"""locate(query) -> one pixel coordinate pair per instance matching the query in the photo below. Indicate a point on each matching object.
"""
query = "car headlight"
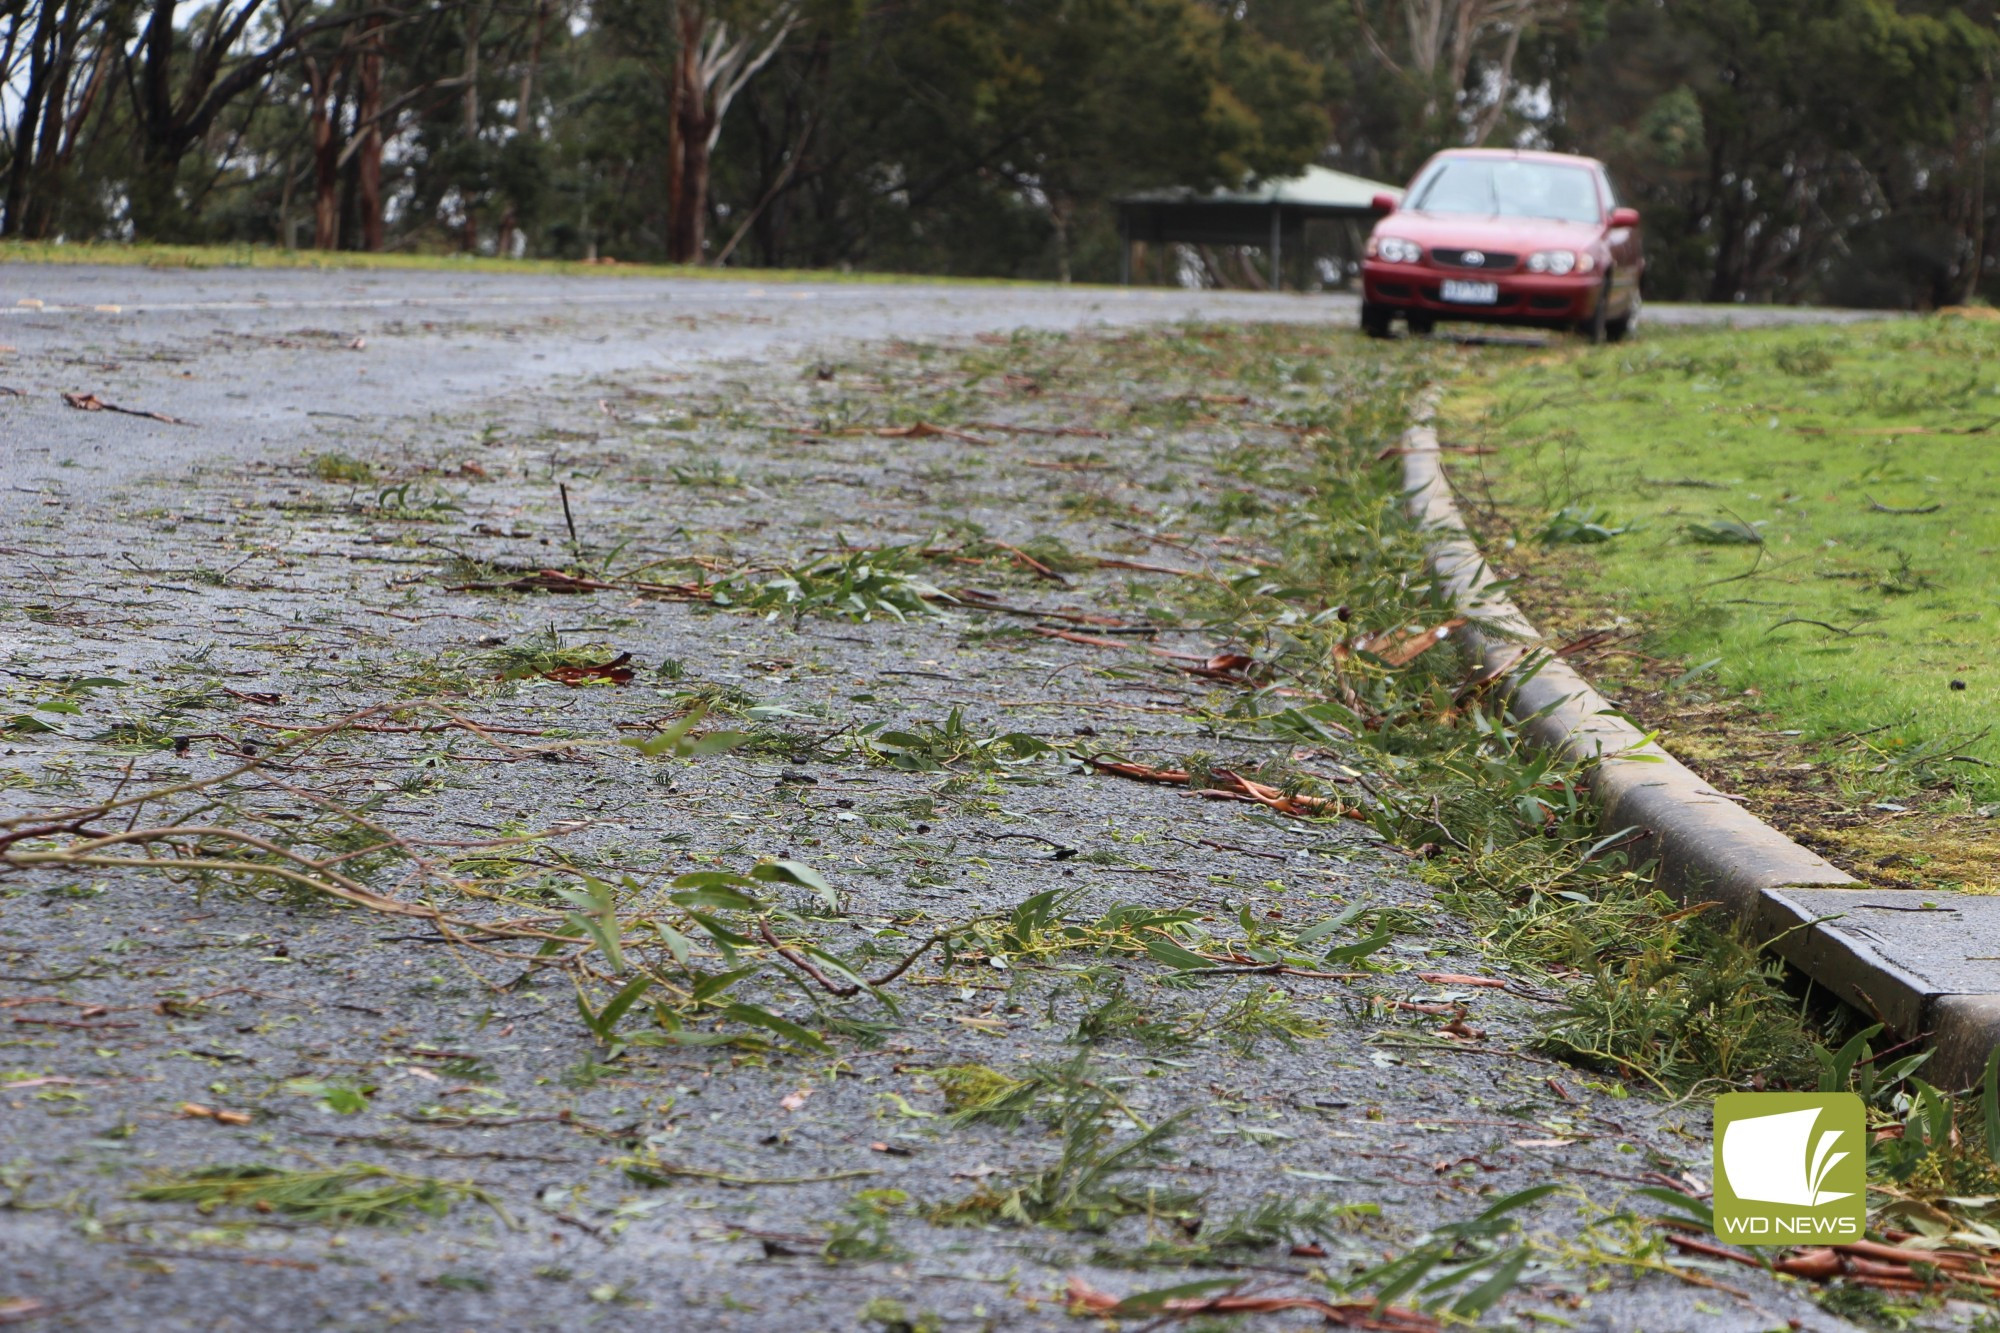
(1557, 262)
(1395, 249)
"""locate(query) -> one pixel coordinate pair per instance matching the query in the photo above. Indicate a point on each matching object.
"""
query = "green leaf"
(344, 1101)
(1989, 1106)
(1888, 1076)
(795, 872)
(831, 962)
(1163, 950)
(718, 899)
(708, 987)
(677, 944)
(1836, 1071)
(1518, 1199)
(674, 740)
(597, 916)
(1475, 1302)
(1693, 1209)
(1331, 924)
(1405, 1273)
(1152, 1302)
(607, 1018)
(682, 1037)
(1935, 1112)
(711, 879)
(757, 1016)
(669, 740)
(1355, 952)
(568, 928)
(728, 940)
(716, 742)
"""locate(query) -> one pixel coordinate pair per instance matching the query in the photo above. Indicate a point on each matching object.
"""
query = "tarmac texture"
(358, 481)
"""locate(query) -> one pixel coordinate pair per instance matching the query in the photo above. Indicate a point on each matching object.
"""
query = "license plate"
(1471, 293)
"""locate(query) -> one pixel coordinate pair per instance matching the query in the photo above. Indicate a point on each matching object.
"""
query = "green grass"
(270, 256)
(1811, 510)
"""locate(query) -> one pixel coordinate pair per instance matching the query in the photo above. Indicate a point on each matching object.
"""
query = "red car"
(1498, 236)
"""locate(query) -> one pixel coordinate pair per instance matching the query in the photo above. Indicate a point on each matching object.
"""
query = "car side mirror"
(1625, 217)
(1383, 203)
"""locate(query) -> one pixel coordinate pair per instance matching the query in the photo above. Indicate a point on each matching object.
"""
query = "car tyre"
(1375, 319)
(1623, 327)
(1422, 326)
(1598, 327)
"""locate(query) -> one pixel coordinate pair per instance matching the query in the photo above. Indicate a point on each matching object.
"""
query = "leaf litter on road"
(739, 914)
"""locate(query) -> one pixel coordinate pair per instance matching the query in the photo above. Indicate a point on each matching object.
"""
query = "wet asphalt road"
(209, 561)
(244, 354)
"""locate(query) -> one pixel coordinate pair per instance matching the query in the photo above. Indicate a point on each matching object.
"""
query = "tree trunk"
(688, 227)
(1969, 205)
(469, 113)
(287, 229)
(1504, 87)
(62, 136)
(368, 161)
(155, 211)
(326, 154)
(687, 182)
(41, 61)
(153, 202)
(523, 121)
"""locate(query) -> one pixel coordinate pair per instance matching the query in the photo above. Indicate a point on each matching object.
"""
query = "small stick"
(568, 518)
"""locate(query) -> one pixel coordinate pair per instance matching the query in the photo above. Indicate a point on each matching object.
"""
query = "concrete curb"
(1889, 960)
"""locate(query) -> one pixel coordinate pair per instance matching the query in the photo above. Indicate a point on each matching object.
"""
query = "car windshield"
(1509, 188)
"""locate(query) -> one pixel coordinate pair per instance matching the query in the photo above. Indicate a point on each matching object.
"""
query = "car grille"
(1491, 260)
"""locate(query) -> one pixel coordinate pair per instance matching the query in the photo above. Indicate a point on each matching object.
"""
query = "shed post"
(1277, 247)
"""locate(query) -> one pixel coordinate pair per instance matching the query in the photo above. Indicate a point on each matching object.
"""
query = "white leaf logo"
(1774, 1159)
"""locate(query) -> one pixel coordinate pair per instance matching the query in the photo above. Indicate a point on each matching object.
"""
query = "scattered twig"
(90, 402)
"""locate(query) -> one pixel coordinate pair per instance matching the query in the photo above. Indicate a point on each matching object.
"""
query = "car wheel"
(1375, 319)
(1598, 327)
(1623, 327)
(1422, 326)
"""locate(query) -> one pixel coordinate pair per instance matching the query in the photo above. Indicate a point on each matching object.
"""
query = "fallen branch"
(1395, 649)
(90, 402)
(1226, 785)
(1033, 564)
(1146, 567)
(1863, 1262)
(919, 430)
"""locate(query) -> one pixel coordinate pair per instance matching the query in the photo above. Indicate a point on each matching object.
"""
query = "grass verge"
(275, 257)
(1780, 542)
